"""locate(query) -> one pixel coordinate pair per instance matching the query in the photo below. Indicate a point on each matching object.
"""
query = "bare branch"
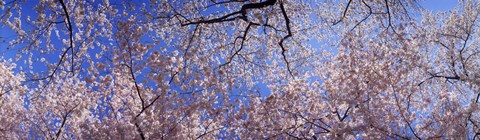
(244, 37)
(242, 13)
(344, 13)
(287, 23)
(69, 27)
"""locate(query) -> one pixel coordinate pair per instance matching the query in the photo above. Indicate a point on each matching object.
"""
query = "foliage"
(239, 69)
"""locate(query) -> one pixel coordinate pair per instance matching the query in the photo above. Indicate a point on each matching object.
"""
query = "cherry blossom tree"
(239, 69)
(12, 93)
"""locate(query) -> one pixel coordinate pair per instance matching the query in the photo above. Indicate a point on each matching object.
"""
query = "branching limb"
(244, 37)
(369, 14)
(289, 34)
(137, 88)
(139, 130)
(404, 118)
(344, 116)
(223, 2)
(241, 14)
(70, 29)
(64, 120)
(390, 25)
(144, 108)
(344, 13)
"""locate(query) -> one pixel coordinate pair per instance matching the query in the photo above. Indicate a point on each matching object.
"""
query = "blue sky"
(439, 5)
(6, 34)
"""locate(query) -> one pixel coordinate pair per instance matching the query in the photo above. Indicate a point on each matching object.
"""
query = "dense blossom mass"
(238, 69)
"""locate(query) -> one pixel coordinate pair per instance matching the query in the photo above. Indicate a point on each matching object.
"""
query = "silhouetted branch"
(287, 23)
(344, 13)
(69, 27)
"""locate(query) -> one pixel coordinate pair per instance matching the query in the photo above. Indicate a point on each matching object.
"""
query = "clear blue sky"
(439, 5)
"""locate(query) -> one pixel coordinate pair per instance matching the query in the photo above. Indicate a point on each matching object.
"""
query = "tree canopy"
(238, 69)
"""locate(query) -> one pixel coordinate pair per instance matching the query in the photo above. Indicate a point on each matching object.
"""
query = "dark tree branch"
(435, 75)
(390, 25)
(309, 121)
(241, 45)
(69, 27)
(473, 54)
(140, 132)
(389, 133)
(369, 14)
(344, 116)
(64, 54)
(64, 120)
(208, 132)
(223, 2)
(242, 13)
(478, 96)
(287, 23)
(344, 13)
(290, 135)
(132, 74)
(313, 123)
(403, 116)
(189, 45)
(452, 63)
(227, 17)
(456, 77)
(146, 107)
(468, 32)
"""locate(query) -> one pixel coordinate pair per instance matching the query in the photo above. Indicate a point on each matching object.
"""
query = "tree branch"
(287, 23)
(344, 13)
(231, 16)
(69, 27)
(241, 45)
